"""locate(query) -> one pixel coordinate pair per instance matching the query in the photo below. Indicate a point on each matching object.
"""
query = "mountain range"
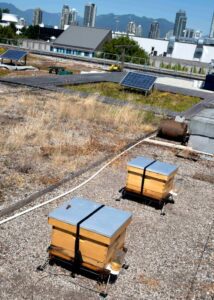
(110, 21)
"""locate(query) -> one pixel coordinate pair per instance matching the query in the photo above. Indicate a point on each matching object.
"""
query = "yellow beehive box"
(101, 235)
(150, 178)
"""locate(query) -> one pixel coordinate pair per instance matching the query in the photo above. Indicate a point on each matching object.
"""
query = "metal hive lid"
(163, 168)
(140, 162)
(157, 167)
(106, 221)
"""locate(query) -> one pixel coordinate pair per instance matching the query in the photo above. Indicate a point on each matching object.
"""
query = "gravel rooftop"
(170, 257)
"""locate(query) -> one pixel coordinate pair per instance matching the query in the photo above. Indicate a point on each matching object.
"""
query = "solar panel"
(13, 54)
(139, 81)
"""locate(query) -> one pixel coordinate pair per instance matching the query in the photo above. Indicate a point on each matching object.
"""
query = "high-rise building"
(197, 34)
(180, 24)
(189, 33)
(212, 28)
(37, 16)
(139, 31)
(68, 17)
(154, 32)
(72, 17)
(64, 16)
(131, 28)
(169, 34)
(90, 15)
(22, 22)
(117, 21)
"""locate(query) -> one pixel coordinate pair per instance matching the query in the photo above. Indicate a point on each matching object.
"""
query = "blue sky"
(199, 12)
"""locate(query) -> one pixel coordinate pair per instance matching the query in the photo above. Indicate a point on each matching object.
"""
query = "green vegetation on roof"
(163, 100)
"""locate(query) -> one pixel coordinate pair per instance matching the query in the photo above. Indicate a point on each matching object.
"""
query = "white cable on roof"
(73, 189)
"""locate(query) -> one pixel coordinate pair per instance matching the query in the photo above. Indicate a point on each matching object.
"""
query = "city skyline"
(199, 16)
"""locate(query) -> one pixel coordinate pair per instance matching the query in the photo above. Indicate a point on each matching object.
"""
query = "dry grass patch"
(52, 135)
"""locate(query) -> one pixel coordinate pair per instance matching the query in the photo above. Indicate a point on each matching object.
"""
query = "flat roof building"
(8, 19)
(48, 33)
(179, 50)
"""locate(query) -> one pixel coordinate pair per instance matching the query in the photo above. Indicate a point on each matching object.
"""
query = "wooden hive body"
(101, 236)
(150, 178)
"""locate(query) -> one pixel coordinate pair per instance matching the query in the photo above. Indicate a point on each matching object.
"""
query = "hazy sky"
(199, 12)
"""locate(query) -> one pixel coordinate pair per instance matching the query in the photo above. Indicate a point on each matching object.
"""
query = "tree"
(32, 32)
(7, 32)
(133, 50)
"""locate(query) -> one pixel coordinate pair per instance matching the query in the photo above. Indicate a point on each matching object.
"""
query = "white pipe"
(73, 189)
(180, 147)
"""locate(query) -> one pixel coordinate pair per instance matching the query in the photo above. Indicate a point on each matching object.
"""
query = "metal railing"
(12, 42)
(132, 62)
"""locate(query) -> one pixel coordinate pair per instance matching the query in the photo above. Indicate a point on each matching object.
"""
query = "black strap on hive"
(77, 253)
(144, 175)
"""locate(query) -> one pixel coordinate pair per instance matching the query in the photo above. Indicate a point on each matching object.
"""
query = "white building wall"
(208, 54)
(11, 18)
(147, 44)
(36, 45)
(184, 51)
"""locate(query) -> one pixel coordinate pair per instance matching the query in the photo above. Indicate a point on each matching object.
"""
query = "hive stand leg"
(123, 194)
(125, 266)
(104, 294)
(42, 267)
(51, 261)
(163, 209)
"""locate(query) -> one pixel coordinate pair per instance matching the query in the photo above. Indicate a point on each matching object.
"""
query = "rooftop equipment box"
(202, 124)
(101, 235)
(150, 178)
